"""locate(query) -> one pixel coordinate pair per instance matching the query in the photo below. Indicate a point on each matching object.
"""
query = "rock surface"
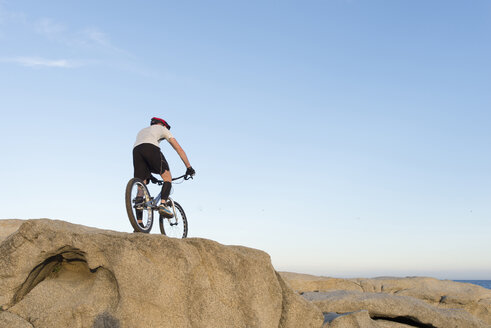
(413, 302)
(57, 274)
(9, 320)
(380, 306)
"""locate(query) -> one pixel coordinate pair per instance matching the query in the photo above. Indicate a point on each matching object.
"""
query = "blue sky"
(344, 138)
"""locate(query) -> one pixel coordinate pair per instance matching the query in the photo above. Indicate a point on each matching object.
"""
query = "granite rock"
(442, 294)
(58, 274)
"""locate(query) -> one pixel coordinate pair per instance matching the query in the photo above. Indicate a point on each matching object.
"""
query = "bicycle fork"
(173, 211)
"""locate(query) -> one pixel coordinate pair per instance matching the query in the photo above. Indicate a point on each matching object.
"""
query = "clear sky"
(345, 138)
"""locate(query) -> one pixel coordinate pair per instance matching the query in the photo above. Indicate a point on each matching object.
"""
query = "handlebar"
(185, 176)
(160, 182)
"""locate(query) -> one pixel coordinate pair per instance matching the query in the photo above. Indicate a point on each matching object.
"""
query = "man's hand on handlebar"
(190, 172)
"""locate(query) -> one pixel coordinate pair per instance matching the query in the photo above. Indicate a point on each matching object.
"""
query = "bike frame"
(154, 201)
(154, 204)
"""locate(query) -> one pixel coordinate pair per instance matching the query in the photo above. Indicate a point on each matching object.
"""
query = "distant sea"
(482, 283)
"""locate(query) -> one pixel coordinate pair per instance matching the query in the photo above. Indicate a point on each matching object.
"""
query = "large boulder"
(443, 294)
(401, 309)
(58, 274)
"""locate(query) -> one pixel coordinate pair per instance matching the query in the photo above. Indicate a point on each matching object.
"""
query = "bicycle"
(138, 199)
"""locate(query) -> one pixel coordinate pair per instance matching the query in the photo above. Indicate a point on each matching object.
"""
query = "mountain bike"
(139, 203)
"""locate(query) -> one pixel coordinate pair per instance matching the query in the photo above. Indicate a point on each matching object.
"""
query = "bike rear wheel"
(176, 227)
(137, 207)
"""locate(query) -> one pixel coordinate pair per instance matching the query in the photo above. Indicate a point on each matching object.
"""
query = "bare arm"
(180, 151)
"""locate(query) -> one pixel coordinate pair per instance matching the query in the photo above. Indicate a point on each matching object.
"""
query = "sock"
(165, 190)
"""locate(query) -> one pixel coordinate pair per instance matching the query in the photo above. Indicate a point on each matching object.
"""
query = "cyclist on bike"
(147, 159)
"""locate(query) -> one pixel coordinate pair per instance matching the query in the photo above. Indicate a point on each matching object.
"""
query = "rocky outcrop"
(57, 274)
(392, 302)
(403, 309)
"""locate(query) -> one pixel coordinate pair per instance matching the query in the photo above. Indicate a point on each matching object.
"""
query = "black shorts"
(147, 159)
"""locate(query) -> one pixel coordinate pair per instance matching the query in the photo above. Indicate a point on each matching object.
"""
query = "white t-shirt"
(153, 134)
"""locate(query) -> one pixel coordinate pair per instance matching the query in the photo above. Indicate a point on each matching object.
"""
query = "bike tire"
(182, 224)
(130, 209)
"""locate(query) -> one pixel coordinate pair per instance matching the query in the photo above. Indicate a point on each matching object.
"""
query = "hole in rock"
(413, 322)
(62, 291)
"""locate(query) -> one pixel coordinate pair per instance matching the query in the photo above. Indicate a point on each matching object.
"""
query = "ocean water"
(482, 283)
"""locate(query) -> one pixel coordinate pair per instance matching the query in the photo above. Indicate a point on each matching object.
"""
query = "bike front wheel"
(139, 206)
(177, 226)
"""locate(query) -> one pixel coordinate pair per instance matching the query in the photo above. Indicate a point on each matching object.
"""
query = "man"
(147, 159)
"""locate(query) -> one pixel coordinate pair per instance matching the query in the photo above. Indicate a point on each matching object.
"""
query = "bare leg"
(166, 176)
